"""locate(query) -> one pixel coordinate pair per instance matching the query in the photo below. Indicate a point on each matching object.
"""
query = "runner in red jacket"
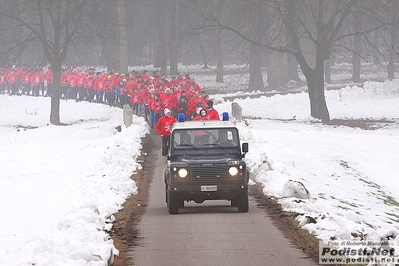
(136, 100)
(26, 85)
(13, 82)
(80, 82)
(100, 87)
(152, 105)
(73, 86)
(64, 84)
(211, 113)
(3, 81)
(89, 85)
(168, 100)
(50, 80)
(194, 102)
(36, 80)
(163, 127)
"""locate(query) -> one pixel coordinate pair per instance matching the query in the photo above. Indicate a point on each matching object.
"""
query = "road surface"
(211, 233)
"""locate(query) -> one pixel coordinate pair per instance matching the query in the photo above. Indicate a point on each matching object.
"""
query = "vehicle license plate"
(209, 188)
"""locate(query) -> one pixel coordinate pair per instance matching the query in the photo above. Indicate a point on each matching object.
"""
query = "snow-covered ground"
(60, 185)
(350, 173)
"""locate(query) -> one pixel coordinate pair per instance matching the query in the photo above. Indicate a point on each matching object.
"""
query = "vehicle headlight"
(182, 172)
(233, 171)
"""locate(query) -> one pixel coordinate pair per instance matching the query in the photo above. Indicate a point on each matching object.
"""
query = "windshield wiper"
(188, 145)
(215, 144)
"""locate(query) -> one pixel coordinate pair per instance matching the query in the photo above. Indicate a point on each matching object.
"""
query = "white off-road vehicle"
(205, 162)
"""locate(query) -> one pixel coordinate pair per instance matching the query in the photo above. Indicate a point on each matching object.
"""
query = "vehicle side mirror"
(245, 147)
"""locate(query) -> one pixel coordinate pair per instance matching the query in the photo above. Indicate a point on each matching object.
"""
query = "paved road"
(211, 233)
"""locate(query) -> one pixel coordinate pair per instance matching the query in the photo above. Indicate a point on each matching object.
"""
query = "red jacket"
(212, 114)
(108, 85)
(19, 73)
(95, 81)
(168, 101)
(195, 85)
(36, 79)
(12, 77)
(193, 104)
(116, 79)
(152, 104)
(3, 79)
(72, 81)
(89, 83)
(157, 108)
(164, 125)
(26, 78)
(49, 77)
(157, 80)
(100, 84)
(129, 87)
(80, 80)
(135, 97)
(145, 94)
(64, 78)
(171, 83)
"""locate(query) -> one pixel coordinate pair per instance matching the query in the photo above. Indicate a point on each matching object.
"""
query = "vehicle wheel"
(173, 203)
(234, 202)
(243, 202)
(166, 193)
(181, 203)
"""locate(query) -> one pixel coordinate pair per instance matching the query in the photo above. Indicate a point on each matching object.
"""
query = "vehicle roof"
(203, 124)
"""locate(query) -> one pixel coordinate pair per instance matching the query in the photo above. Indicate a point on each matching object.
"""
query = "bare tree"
(54, 24)
(218, 7)
(161, 53)
(315, 30)
(357, 45)
(257, 17)
(393, 39)
(117, 35)
(175, 39)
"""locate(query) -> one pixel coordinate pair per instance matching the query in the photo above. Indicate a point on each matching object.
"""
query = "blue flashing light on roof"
(225, 116)
(180, 117)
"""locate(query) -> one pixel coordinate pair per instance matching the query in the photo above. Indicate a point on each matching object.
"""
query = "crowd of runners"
(149, 94)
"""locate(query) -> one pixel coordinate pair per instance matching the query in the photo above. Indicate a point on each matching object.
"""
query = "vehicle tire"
(243, 202)
(166, 193)
(181, 203)
(234, 202)
(173, 203)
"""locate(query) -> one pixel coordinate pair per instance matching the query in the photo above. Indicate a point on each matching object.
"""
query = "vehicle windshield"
(205, 138)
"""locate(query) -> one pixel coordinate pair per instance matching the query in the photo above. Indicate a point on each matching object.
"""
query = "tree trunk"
(277, 73)
(357, 47)
(203, 53)
(55, 97)
(174, 40)
(357, 62)
(327, 70)
(257, 19)
(318, 105)
(394, 31)
(161, 53)
(113, 34)
(27, 52)
(122, 67)
(255, 70)
(219, 57)
(293, 68)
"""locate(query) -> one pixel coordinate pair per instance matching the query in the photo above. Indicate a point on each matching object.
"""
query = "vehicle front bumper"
(194, 192)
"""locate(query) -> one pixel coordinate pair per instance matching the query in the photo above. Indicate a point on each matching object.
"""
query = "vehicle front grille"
(208, 173)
